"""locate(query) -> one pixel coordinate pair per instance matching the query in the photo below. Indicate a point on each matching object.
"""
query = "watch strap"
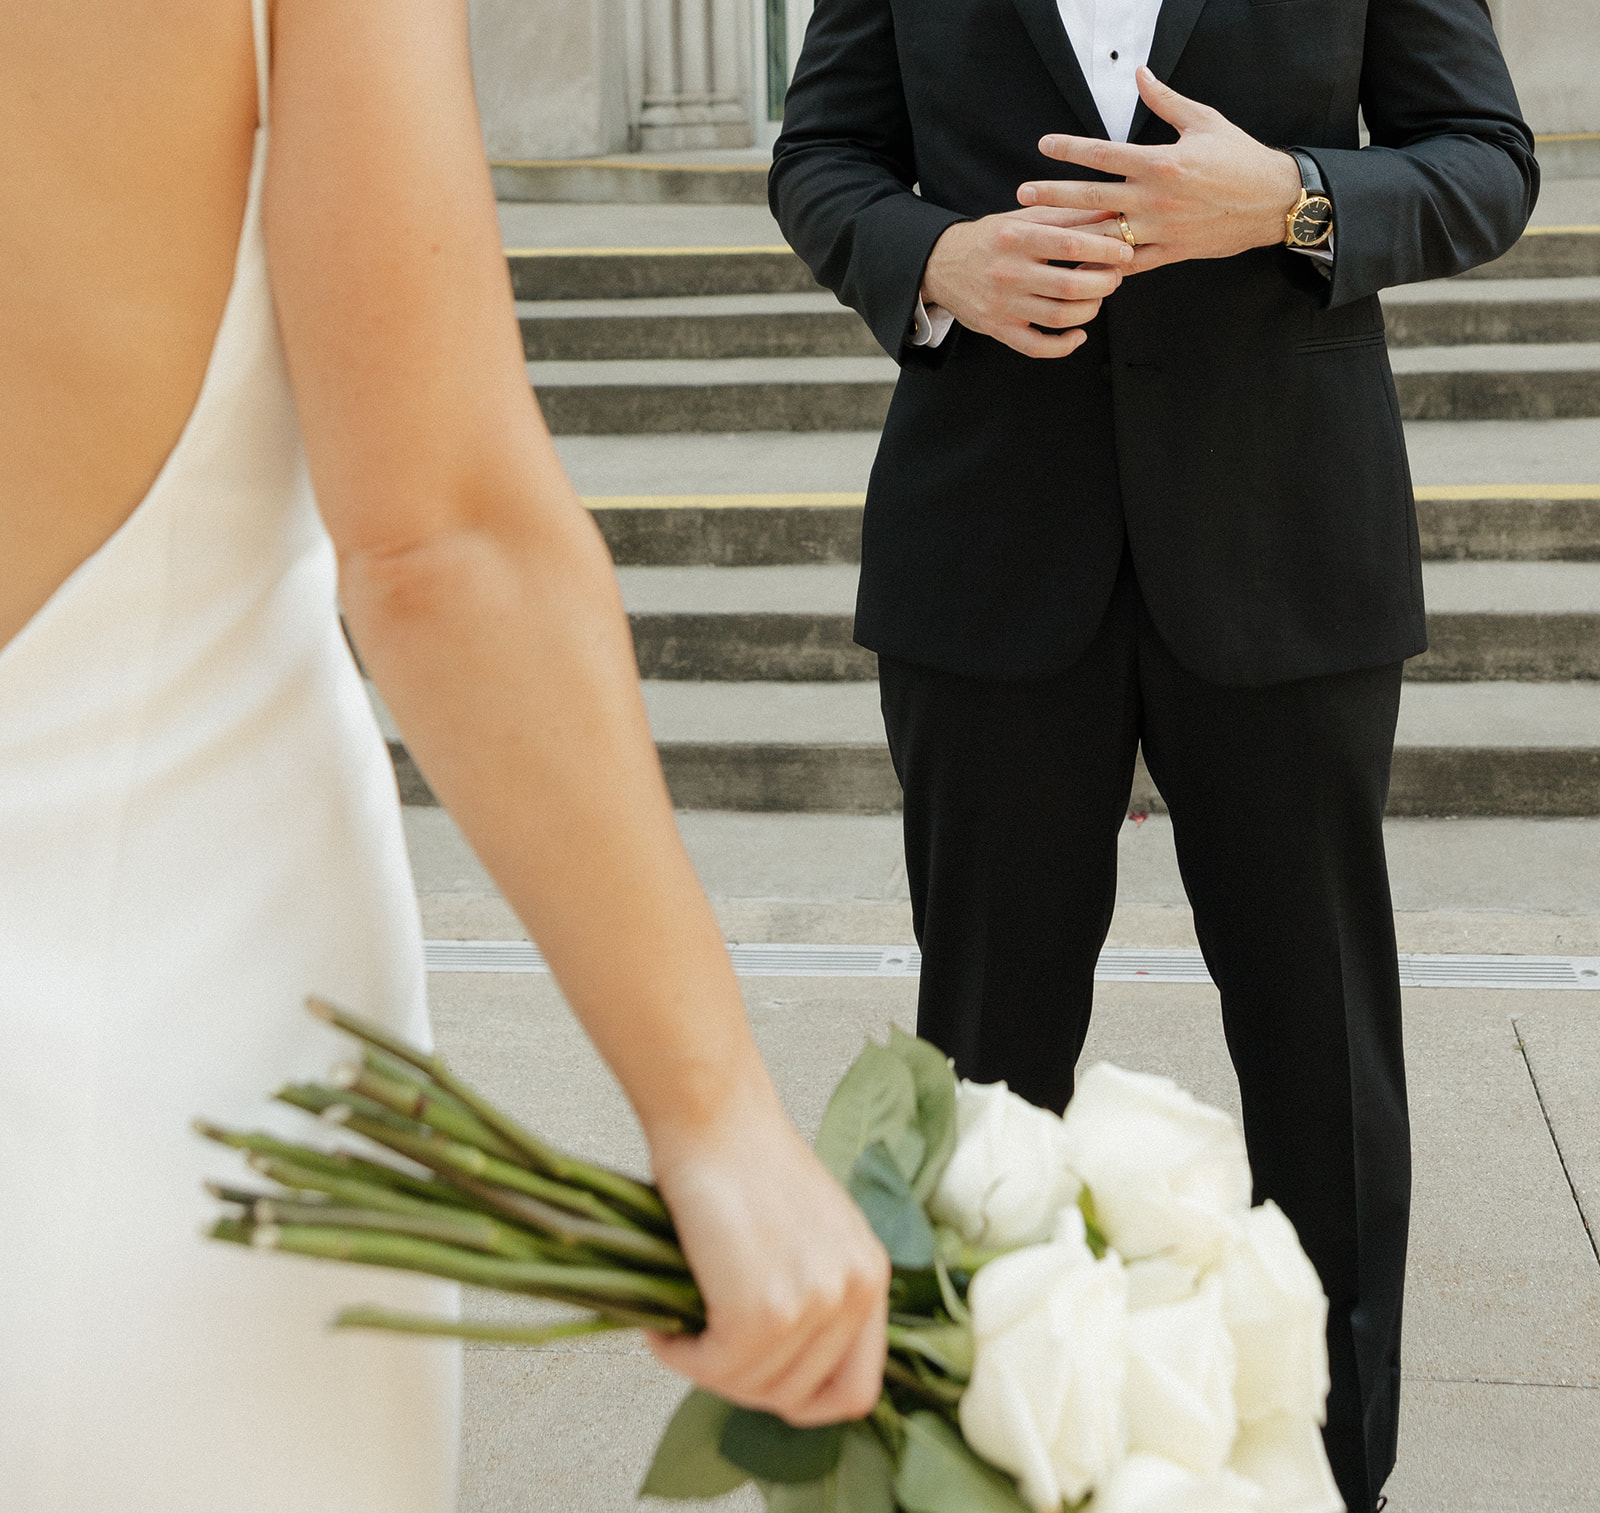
(1310, 174)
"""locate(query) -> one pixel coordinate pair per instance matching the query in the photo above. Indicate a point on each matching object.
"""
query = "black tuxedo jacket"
(1234, 421)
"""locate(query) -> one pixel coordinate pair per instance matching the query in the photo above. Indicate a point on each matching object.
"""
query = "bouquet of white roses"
(1085, 1310)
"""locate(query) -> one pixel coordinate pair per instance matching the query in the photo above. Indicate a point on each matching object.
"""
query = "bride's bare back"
(127, 131)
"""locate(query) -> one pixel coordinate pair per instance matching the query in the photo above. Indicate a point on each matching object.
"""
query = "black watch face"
(1312, 222)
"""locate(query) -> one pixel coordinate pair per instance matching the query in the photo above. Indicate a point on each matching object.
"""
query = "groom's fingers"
(1045, 243)
(1096, 152)
(1173, 108)
(1050, 215)
(1104, 199)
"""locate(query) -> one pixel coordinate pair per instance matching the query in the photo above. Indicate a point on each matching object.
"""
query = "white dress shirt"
(1111, 39)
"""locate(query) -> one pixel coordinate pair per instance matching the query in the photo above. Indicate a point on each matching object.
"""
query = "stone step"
(1463, 749)
(1457, 312)
(606, 271)
(1469, 461)
(1487, 622)
(1446, 313)
(716, 394)
(1484, 522)
(614, 397)
(1548, 252)
(1512, 381)
(705, 326)
(732, 177)
(1533, 622)
(584, 273)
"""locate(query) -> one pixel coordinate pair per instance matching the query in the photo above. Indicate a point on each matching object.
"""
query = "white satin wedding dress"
(198, 827)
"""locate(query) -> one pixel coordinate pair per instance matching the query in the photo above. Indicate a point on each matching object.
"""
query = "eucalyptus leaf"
(936, 1107)
(819, 1496)
(909, 1151)
(862, 1482)
(939, 1474)
(876, 1100)
(884, 1196)
(688, 1463)
(865, 1475)
(774, 1451)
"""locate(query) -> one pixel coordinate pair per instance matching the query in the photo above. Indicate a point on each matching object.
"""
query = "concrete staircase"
(741, 600)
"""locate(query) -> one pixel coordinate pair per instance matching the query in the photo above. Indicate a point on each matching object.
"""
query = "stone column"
(552, 77)
(696, 75)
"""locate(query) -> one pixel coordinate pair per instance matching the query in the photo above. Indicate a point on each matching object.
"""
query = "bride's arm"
(487, 611)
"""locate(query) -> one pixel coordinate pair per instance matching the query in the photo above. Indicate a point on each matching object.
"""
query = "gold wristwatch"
(1309, 222)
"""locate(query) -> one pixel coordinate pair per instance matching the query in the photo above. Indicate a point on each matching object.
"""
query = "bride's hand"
(795, 1282)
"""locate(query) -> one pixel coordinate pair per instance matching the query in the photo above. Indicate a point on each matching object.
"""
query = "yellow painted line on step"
(645, 251)
(628, 163)
(855, 501)
(724, 501)
(1569, 136)
(1562, 231)
(1510, 491)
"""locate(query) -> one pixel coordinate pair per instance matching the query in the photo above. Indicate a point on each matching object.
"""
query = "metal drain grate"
(1417, 970)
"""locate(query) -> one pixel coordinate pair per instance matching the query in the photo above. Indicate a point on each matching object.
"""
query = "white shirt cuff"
(929, 328)
(1322, 254)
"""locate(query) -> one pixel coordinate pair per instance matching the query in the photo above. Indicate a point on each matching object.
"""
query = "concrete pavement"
(1502, 1398)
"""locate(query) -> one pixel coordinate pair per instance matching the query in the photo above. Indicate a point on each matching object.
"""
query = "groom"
(1161, 500)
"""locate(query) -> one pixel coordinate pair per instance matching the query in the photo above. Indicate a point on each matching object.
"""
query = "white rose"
(1284, 1456)
(1148, 1484)
(1008, 1177)
(1278, 1315)
(1179, 1395)
(1159, 1279)
(1167, 1173)
(1049, 1326)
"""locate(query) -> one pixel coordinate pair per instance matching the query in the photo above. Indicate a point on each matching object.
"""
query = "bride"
(245, 255)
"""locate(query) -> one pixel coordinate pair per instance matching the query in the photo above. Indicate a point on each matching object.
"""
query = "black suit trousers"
(1014, 795)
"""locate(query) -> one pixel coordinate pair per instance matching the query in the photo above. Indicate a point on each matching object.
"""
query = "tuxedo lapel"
(1173, 27)
(1043, 21)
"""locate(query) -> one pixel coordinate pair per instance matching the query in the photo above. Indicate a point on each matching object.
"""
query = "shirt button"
(1113, 57)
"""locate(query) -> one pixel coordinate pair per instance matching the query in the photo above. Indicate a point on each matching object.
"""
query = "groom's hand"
(995, 275)
(1215, 192)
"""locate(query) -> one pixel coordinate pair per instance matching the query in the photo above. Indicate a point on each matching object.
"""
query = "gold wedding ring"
(1125, 229)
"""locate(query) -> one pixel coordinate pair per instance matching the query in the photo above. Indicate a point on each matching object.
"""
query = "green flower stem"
(444, 1155)
(500, 1334)
(351, 1190)
(429, 1106)
(473, 1231)
(954, 1304)
(1094, 1236)
(886, 1419)
(626, 1244)
(904, 1376)
(340, 1164)
(638, 1199)
(947, 1347)
(383, 1065)
(243, 1196)
(585, 1285)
